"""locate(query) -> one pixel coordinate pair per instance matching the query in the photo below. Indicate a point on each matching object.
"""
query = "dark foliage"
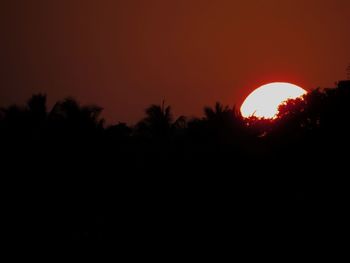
(70, 179)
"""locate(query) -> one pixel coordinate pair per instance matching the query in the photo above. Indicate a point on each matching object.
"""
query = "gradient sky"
(125, 55)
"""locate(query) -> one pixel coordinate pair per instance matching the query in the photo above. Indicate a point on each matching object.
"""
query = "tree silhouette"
(68, 114)
(223, 123)
(157, 123)
(118, 132)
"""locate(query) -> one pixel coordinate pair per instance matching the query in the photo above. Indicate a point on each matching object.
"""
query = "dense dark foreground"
(142, 202)
(209, 186)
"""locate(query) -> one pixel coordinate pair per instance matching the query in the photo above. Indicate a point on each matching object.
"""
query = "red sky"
(126, 55)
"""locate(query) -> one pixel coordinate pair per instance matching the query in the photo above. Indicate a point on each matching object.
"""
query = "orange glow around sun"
(265, 100)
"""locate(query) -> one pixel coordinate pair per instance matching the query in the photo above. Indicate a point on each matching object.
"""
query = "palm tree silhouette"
(218, 112)
(223, 122)
(72, 112)
(158, 121)
(68, 117)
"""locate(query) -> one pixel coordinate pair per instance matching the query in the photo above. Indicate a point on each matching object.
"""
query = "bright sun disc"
(265, 100)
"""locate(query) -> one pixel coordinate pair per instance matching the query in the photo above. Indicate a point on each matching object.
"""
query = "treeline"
(321, 114)
(94, 182)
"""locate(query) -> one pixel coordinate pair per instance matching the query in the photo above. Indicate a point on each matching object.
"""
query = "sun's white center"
(265, 100)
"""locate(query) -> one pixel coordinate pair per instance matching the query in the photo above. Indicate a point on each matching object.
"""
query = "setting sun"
(265, 100)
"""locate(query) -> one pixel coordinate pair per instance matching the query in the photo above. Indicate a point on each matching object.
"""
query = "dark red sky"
(125, 55)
